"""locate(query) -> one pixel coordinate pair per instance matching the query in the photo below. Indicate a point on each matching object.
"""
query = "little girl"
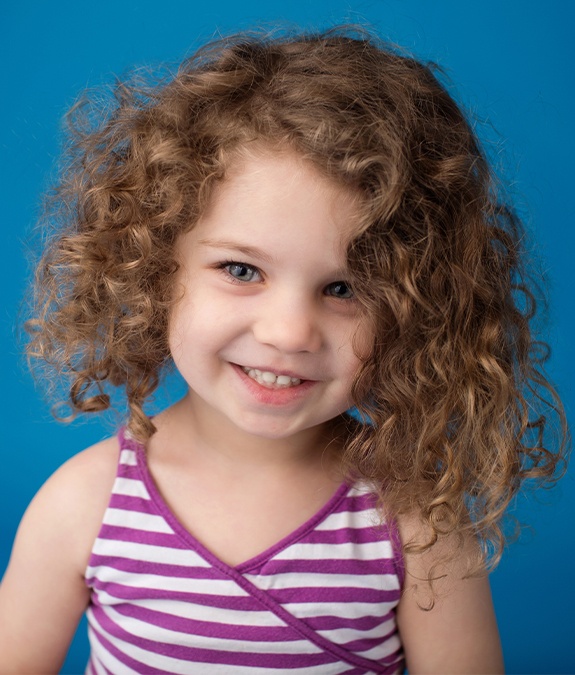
(302, 225)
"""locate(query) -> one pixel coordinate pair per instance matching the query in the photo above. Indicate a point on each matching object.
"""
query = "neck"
(192, 427)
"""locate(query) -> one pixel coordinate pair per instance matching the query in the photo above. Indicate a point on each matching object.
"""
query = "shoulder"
(445, 616)
(73, 500)
(432, 574)
(94, 468)
(43, 593)
(99, 463)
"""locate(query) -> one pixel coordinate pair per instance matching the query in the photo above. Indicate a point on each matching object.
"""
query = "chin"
(278, 429)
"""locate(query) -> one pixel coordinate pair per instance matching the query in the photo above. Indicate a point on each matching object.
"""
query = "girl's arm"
(459, 634)
(43, 594)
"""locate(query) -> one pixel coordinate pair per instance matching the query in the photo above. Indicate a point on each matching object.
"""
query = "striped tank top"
(321, 601)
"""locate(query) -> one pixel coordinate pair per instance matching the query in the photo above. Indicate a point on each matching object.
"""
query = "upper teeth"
(268, 378)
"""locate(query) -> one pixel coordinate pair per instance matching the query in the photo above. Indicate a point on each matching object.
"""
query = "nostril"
(289, 336)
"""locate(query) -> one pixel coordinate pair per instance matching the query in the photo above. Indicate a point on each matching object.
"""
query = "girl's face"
(264, 331)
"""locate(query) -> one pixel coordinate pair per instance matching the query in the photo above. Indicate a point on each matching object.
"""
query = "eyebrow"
(250, 251)
(254, 252)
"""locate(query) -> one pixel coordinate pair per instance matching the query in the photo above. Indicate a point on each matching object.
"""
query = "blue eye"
(241, 271)
(339, 289)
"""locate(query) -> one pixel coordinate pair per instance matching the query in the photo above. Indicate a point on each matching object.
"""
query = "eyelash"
(223, 266)
(226, 264)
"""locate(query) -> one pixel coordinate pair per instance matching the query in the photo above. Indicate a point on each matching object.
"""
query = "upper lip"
(275, 371)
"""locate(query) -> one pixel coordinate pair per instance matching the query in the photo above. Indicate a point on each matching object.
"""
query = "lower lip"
(276, 397)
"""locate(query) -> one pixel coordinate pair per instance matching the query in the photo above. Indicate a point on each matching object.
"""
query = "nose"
(289, 323)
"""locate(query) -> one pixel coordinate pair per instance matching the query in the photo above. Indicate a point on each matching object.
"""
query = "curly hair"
(454, 390)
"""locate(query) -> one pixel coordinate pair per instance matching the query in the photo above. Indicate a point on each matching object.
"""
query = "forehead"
(271, 193)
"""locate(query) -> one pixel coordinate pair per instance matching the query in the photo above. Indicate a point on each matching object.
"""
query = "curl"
(454, 387)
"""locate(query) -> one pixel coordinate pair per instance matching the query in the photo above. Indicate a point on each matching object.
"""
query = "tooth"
(270, 379)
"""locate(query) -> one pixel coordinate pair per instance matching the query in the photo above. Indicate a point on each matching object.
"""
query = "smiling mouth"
(269, 379)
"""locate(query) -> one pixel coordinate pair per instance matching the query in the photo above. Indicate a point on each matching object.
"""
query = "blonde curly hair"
(453, 388)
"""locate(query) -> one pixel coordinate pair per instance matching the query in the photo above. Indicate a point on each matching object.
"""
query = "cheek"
(350, 363)
(361, 340)
(175, 338)
(178, 312)
(199, 323)
(181, 327)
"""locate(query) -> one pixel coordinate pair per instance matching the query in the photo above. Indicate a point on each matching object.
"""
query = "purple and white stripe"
(322, 601)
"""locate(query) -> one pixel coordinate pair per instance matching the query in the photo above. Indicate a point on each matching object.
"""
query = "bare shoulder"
(43, 593)
(98, 464)
(93, 468)
(445, 616)
(73, 500)
(85, 480)
(450, 561)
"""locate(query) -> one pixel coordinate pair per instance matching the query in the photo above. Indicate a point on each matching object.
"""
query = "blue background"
(512, 63)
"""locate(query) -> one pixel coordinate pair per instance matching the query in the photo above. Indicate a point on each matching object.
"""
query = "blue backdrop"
(512, 62)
